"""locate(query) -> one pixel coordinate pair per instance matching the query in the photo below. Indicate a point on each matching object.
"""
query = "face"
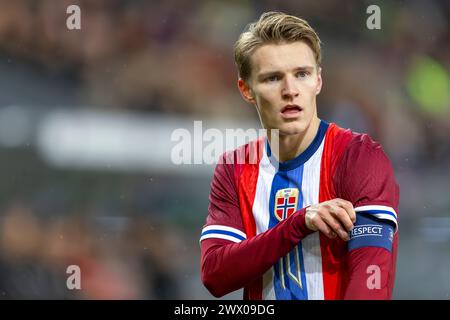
(283, 85)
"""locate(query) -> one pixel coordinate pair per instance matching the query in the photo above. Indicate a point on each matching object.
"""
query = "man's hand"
(333, 217)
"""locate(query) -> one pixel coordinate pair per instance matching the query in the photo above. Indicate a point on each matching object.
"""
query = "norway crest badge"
(285, 203)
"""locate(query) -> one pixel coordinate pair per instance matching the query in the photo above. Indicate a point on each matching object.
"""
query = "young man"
(318, 218)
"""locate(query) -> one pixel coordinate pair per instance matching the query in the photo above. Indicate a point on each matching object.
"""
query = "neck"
(290, 146)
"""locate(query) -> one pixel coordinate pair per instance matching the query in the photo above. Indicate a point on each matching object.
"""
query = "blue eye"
(272, 78)
(302, 74)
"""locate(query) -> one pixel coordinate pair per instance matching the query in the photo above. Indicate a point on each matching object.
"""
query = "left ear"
(319, 80)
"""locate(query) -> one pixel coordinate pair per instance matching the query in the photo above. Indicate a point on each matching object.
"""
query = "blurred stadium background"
(86, 118)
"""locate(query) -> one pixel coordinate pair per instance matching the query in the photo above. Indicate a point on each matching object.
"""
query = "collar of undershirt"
(302, 157)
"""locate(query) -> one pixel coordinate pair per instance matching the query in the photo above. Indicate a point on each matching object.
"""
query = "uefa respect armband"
(370, 231)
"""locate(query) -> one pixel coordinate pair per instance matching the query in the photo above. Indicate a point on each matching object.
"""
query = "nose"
(289, 89)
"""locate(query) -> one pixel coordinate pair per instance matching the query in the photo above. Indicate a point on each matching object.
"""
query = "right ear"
(246, 91)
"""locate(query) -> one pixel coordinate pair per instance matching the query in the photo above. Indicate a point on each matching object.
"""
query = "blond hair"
(272, 28)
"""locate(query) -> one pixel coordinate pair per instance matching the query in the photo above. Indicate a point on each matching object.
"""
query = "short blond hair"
(272, 28)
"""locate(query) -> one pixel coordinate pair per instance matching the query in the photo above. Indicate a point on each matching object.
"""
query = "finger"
(324, 228)
(342, 216)
(348, 206)
(335, 225)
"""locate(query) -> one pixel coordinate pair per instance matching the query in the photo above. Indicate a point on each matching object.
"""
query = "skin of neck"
(292, 145)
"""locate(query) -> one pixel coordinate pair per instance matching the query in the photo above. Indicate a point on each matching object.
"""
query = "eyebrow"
(276, 72)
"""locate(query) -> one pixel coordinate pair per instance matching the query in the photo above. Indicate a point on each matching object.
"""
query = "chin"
(293, 128)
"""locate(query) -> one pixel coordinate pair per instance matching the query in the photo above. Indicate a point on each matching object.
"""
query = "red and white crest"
(285, 203)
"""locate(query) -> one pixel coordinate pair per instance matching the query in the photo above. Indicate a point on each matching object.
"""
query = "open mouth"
(291, 110)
